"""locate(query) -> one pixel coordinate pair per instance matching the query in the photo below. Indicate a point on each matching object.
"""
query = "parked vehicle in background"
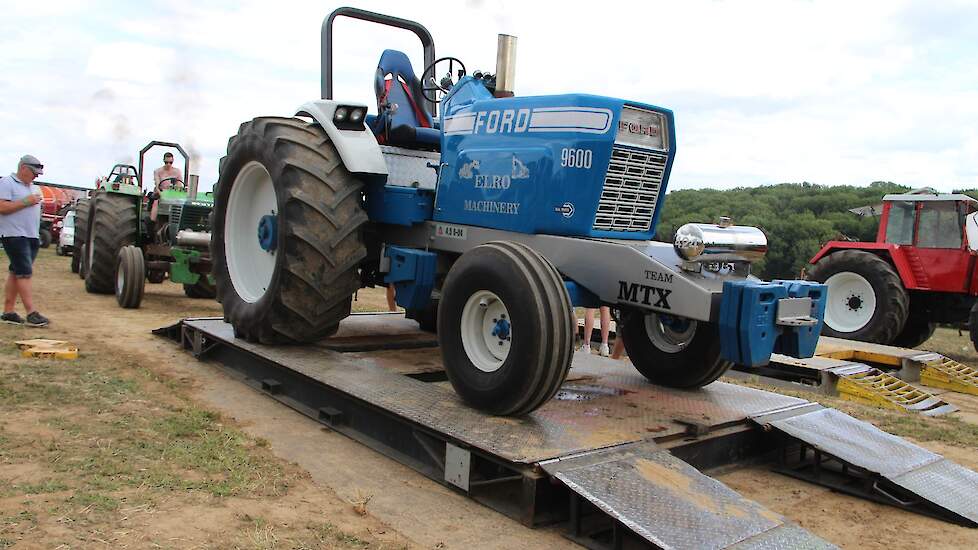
(66, 234)
(920, 271)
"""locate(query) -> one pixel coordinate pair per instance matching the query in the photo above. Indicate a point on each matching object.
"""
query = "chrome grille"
(631, 190)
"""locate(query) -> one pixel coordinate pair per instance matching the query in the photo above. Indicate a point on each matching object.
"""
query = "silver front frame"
(600, 265)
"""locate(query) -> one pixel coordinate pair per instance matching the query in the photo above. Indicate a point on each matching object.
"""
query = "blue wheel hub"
(268, 232)
(501, 329)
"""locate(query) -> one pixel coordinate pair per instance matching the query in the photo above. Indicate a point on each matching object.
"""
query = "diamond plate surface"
(628, 409)
(946, 484)
(409, 168)
(665, 500)
(785, 537)
(856, 442)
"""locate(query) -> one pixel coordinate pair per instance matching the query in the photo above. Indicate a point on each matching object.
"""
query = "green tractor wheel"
(113, 224)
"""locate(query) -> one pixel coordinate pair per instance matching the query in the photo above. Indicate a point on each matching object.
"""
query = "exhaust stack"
(192, 186)
(505, 65)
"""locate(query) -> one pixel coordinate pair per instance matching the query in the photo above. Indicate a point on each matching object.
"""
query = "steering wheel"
(178, 183)
(434, 91)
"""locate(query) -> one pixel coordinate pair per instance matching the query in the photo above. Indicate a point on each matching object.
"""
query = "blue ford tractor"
(493, 216)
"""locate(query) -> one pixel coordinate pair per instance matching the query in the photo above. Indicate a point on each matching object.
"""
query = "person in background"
(589, 328)
(20, 219)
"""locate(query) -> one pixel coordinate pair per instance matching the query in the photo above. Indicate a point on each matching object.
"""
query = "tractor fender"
(888, 251)
(358, 148)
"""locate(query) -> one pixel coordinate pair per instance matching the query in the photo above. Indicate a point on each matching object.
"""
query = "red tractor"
(919, 272)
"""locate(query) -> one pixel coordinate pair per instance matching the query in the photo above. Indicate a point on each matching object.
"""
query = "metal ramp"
(613, 459)
(849, 380)
(932, 369)
(855, 457)
(669, 503)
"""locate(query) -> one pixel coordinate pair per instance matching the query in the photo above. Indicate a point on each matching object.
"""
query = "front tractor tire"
(130, 280)
(673, 352)
(287, 236)
(506, 328)
(866, 298)
(113, 224)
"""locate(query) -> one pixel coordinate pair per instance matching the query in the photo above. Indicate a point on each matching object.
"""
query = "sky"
(834, 93)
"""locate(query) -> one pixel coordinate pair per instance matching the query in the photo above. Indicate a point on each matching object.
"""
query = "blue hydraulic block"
(412, 272)
(398, 205)
(801, 341)
(749, 330)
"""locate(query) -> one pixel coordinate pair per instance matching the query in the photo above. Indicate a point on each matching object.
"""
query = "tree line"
(796, 217)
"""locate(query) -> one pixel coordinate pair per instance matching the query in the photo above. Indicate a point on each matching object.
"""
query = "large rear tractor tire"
(674, 352)
(114, 223)
(83, 268)
(201, 289)
(283, 179)
(916, 330)
(506, 328)
(130, 280)
(80, 237)
(44, 237)
(866, 298)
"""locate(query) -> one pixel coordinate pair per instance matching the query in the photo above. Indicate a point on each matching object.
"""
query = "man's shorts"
(21, 251)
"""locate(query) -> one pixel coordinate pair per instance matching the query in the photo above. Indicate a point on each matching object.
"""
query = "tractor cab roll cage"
(122, 171)
(154, 143)
(354, 13)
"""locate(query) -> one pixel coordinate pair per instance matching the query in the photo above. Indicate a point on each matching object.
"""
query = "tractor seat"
(401, 119)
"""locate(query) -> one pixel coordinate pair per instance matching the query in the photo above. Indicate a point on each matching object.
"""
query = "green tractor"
(124, 247)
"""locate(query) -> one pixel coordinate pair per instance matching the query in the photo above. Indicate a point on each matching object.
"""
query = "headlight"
(340, 114)
(356, 115)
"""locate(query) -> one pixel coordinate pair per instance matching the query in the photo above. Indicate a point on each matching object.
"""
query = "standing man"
(20, 218)
(164, 172)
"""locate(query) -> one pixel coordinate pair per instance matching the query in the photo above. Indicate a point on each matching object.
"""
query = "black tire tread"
(549, 359)
(892, 301)
(114, 223)
(81, 235)
(917, 330)
(320, 220)
(130, 260)
(703, 353)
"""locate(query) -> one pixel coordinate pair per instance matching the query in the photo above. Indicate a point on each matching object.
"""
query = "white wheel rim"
(851, 302)
(486, 331)
(249, 266)
(666, 336)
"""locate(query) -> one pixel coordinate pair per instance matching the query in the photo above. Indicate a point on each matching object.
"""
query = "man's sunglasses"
(167, 162)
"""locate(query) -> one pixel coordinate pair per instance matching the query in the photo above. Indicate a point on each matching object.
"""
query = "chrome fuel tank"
(705, 242)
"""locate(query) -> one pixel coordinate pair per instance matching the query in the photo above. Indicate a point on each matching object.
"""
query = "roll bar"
(154, 143)
(355, 13)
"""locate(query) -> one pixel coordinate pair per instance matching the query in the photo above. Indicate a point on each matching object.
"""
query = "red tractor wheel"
(866, 298)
